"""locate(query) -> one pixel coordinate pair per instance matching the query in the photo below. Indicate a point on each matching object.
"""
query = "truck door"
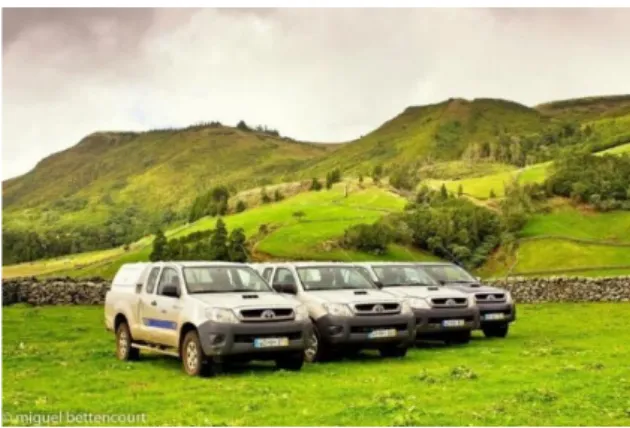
(165, 310)
(147, 296)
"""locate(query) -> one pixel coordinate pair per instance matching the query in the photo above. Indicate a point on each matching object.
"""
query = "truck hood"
(349, 296)
(423, 291)
(470, 289)
(237, 300)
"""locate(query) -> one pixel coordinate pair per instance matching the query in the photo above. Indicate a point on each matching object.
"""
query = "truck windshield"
(332, 278)
(449, 274)
(392, 275)
(223, 279)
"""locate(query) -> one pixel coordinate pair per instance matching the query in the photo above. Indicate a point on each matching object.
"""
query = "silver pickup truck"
(496, 307)
(204, 313)
(441, 313)
(349, 312)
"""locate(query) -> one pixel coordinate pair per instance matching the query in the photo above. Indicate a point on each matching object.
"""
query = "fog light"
(335, 329)
(216, 339)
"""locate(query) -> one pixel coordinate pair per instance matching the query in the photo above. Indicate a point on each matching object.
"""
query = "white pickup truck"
(349, 312)
(204, 313)
(441, 313)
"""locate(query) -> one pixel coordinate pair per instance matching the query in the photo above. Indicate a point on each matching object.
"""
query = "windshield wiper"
(460, 281)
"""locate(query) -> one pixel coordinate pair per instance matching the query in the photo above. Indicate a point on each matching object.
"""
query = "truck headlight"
(301, 313)
(405, 308)
(337, 309)
(221, 315)
(418, 303)
(472, 301)
(508, 297)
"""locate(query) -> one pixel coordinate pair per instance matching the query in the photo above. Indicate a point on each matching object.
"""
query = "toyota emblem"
(490, 296)
(450, 302)
(268, 314)
(378, 308)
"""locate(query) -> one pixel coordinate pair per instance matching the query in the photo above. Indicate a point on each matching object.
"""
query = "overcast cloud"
(317, 75)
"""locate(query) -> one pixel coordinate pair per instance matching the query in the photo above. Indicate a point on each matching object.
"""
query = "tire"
(393, 351)
(194, 361)
(124, 350)
(293, 361)
(316, 350)
(499, 330)
(459, 338)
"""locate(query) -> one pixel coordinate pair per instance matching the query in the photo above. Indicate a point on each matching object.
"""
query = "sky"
(324, 75)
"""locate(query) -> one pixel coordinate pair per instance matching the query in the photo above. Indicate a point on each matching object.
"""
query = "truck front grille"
(267, 314)
(490, 297)
(377, 308)
(449, 302)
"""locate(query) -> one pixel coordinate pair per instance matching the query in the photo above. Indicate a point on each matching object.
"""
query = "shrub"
(371, 238)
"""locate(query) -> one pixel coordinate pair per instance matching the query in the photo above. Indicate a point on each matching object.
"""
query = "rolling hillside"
(325, 217)
(151, 178)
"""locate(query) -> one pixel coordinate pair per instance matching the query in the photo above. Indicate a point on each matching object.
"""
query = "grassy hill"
(568, 240)
(588, 108)
(151, 178)
(325, 217)
(152, 171)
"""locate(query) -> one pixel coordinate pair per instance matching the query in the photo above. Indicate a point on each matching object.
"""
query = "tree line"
(215, 244)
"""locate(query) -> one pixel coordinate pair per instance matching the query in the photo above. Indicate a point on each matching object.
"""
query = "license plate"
(376, 334)
(271, 342)
(453, 323)
(491, 317)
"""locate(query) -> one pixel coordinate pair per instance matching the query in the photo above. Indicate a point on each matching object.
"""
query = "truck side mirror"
(170, 290)
(378, 284)
(286, 287)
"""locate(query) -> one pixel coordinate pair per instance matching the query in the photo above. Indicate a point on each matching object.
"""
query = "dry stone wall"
(68, 291)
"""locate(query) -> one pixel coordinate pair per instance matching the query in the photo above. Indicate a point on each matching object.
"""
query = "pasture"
(562, 364)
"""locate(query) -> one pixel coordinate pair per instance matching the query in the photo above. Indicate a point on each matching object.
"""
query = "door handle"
(154, 303)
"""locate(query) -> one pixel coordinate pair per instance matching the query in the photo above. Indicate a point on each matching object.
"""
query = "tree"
(218, 242)
(360, 178)
(443, 192)
(492, 195)
(377, 172)
(240, 206)
(237, 250)
(315, 185)
(159, 247)
(264, 197)
(277, 195)
(243, 126)
(460, 190)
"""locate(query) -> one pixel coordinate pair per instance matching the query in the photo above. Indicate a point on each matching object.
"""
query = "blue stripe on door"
(154, 322)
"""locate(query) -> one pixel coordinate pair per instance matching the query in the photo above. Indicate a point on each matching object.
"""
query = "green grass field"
(480, 187)
(562, 364)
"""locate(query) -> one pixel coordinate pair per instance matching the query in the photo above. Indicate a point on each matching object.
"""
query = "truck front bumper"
(358, 331)
(496, 313)
(220, 339)
(432, 322)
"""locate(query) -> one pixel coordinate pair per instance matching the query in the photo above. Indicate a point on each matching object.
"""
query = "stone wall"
(54, 291)
(68, 291)
(566, 289)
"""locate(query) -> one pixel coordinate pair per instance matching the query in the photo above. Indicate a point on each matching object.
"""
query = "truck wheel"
(459, 338)
(194, 360)
(293, 361)
(124, 350)
(315, 349)
(499, 330)
(393, 351)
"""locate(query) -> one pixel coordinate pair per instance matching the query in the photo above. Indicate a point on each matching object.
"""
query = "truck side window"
(153, 275)
(283, 276)
(169, 276)
(267, 274)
